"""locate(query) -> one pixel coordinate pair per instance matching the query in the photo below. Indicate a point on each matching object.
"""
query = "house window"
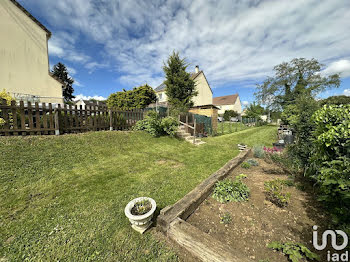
(161, 96)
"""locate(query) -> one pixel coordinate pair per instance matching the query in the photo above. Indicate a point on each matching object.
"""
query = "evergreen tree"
(60, 71)
(180, 88)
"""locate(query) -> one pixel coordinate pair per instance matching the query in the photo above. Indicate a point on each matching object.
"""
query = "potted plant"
(140, 212)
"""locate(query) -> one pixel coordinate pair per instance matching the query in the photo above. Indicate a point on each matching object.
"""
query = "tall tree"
(299, 77)
(60, 71)
(180, 88)
(254, 111)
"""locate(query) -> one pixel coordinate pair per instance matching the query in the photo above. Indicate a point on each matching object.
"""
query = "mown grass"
(225, 128)
(63, 198)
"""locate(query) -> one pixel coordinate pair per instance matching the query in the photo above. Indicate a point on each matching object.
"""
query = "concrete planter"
(141, 222)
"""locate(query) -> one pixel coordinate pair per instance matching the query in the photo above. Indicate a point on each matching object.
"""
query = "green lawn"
(63, 198)
(225, 128)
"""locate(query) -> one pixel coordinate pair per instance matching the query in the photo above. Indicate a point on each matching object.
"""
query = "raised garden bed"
(241, 231)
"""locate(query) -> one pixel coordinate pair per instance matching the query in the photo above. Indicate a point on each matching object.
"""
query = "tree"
(60, 71)
(336, 100)
(180, 88)
(229, 113)
(299, 77)
(254, 111)
(139, 97)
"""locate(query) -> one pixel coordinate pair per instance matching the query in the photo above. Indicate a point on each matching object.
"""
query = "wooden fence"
(43, 119)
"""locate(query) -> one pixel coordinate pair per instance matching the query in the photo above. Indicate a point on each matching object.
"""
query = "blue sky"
(109, 45)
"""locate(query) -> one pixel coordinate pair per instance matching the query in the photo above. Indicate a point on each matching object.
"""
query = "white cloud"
(83, 97)
(230, 40)
(341, 67)
(77, 83)
(245, 103)
(92, 66)
(71, 70)
(347, 92)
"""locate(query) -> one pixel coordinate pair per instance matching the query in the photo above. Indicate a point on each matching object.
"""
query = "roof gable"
(225, 100)
(31, 17)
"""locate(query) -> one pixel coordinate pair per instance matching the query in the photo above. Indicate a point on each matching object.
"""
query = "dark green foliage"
(274, 191)
(229, 190)
(180, 88)
(299, 77)
(252, 162)
(246, 165)
(60, 71)
(254, 111)
(294, 251)
(229, 113)
(155, 126)
(330, 160)
(225, 218)
(140, 97)
(336, 100)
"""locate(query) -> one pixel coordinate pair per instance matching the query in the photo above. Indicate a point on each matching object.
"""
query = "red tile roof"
(225, 100)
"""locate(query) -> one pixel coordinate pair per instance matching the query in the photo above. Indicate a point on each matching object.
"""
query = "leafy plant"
(246, 165)
(241, 176)
(231, 190)
(274, 192)
(8, 98)
(258, 152)
(294, 251)
(228, 114)
(252, 162)
(151, 124)
(170, 125)
(141, 207)
(225, 218)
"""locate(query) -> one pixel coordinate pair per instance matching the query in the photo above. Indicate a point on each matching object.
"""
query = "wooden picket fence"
(43, 119)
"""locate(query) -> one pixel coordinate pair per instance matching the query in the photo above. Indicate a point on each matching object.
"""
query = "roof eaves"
(32, 17)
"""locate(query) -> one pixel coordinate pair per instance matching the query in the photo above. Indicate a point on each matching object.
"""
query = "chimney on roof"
(197, 69)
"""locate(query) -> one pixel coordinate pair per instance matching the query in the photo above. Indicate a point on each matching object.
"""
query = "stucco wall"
(24, 67)
(205, 96)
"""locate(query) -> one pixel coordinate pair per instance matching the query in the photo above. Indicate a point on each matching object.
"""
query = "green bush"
(258, 151)
(225, 218)
(8, 98)
(156, 126)
(330, 161)
(245, 165)
(252, 162)
(151, 124)
(229, 190)
(274, 192)
(294, 251)
(228, 114)
(170, 125)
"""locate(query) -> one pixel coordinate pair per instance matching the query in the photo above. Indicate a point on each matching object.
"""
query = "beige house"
(231, 102)
(24, 58)
(204, 96)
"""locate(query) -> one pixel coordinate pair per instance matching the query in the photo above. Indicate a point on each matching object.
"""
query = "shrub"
(252, 162)
(229, 190)
(294, 251)
(274, 192)
(245, 165)
(228, 114)
(151, 124)
(258, 152)
(329, 164)
(8, 98)
(170, 125)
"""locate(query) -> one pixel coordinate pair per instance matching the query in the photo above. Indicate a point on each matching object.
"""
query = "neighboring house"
(89, 103)
(24, 62)
(204, 96)
(231, 102)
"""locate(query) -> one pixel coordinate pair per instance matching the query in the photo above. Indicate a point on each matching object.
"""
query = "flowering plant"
(272, 150)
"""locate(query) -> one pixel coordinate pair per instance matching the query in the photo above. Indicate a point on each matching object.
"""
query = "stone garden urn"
(140, 222)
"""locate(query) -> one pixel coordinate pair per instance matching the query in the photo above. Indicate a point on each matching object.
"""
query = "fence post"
(194, 131)
(110, 120)
(57, 122)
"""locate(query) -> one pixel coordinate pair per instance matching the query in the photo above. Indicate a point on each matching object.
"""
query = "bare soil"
(257, 222)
